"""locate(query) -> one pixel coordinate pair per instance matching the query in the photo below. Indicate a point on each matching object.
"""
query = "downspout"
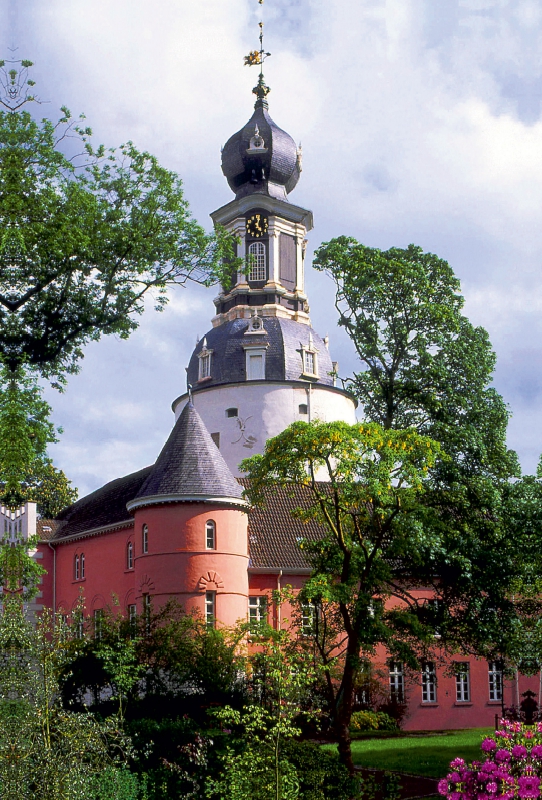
(309, 403)
(54, 581)
(279, 601)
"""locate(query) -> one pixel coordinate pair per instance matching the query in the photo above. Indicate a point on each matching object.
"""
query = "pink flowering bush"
(512, 767)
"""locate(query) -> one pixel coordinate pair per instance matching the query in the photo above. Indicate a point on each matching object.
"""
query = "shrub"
(320, 773)
(372, 721)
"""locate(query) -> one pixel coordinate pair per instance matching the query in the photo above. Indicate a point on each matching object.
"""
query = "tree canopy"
(424, 364)
(86, 234)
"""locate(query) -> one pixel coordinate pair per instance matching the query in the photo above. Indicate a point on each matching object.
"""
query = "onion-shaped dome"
(285, 342)
(261, 158)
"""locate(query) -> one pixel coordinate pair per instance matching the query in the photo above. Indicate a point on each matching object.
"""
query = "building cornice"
(295, 384)
(282, 208)
(128, 523)
(162, 499)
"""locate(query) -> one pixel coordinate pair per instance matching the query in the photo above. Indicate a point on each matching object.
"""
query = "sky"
(420, 122)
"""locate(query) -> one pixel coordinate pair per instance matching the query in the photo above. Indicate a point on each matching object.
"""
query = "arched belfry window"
(210, 535)
(256, 262)
(145, 538)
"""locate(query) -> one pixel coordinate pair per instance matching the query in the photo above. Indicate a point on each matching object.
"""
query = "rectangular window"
(256, 262)
(429, 683)
(205, 366)
(257, 611)
(397, 682)
(210, 609)
(132, 613)
(310, 364)
(495, 681)
(255, 366)
(82, 566)
(462, 682)
(98, 623)
(210, 535)
(147, 612)
(308, 619)
(145, 539)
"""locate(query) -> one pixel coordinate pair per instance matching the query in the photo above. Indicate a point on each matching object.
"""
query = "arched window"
(145, 538)
(130, 555)
(210, 535)
(76, 574)
(82, 566)
(256, 262)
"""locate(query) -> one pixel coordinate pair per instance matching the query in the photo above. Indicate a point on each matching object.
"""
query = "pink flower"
(457, 763)
(491, 787)
(502, 756)
(529, 786)
(536, 752)
(519, 751)
(488, 745)
(443, 786)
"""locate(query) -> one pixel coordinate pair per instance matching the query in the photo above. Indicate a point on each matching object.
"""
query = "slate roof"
(280, 163)
(284, 338)
(190, 464)
(106, 506)
(274, 535)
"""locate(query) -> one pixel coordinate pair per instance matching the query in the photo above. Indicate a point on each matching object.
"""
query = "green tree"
(363, 484)
(26, 472)
(86, 234)
(424, 364)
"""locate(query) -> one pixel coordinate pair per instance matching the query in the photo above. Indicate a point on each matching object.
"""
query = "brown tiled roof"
(106, 506)
(274, 535)
(47, 529)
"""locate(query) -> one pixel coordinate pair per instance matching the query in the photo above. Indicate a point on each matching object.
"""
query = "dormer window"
(204, 362)
(256, 262)
(309, 356)
(255, 366)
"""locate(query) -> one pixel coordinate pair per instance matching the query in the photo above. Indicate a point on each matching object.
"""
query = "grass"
(428, 755)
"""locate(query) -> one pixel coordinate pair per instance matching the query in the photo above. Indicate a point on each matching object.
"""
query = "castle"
(181, 528)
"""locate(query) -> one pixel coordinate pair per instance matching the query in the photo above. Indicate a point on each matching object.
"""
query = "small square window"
(232, 412)
(303, 408)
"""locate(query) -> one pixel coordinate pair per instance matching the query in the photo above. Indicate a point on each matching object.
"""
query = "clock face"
(257, 225)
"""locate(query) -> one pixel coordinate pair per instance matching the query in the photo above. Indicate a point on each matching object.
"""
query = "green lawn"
(428, 755)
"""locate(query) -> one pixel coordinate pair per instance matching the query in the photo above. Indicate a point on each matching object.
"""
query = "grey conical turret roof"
(189, 468)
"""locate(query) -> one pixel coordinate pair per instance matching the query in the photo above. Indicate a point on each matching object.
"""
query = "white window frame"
(256, 262)
(309, 616)
(205, 362)
(98, 622)
(132, 614)
(429, 682)
(145, 538)
(130, 555)
(495, 681)
(260, 353)
(397, 681)
(462, 682)
(210, 609)
(210, 534)
(257, 610)
(82, 562)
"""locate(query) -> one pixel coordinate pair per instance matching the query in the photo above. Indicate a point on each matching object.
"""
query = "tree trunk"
(343, 710)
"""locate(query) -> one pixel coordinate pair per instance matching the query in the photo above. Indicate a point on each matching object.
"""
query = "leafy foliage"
(86, 234)
(26, 472)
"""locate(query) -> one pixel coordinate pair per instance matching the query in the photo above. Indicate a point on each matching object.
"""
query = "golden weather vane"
(258, 57)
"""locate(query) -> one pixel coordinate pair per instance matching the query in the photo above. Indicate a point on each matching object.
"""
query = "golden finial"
(258, 57)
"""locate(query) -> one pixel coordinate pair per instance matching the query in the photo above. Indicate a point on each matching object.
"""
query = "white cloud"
(419, 122)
